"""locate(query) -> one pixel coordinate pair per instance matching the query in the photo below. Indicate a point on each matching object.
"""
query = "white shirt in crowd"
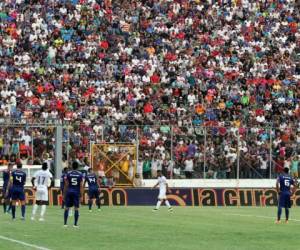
(263, 163)
(189, 165)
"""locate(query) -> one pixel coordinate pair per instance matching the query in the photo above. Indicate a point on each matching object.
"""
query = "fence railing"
(179, 151)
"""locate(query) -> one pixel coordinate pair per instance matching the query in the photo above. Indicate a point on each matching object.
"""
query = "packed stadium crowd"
(199, 84)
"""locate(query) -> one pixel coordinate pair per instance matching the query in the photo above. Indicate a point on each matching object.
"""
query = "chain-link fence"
(216, 152)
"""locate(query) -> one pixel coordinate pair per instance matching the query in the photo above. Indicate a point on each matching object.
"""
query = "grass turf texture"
(122, 228)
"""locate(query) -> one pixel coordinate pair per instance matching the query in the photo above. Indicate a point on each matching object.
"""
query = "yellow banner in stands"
(117, 162)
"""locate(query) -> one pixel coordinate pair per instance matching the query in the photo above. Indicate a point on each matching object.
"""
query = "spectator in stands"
(137, 181)
(295, 166)
(229, 167)
(189, 168)
(263, 165)
(146, 168)
(229, 66)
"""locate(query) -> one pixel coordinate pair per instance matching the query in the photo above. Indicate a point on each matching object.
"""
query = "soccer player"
(73, 190)
(163, 187)
(16, 183)
(41, 181)
(285, 188)
(62, 184)
(94, 188)
(6, 177)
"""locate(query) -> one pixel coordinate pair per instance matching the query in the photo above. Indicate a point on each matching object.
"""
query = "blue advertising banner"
(177, 197)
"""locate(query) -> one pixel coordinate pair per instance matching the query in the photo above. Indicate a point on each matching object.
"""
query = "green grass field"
(121, 228)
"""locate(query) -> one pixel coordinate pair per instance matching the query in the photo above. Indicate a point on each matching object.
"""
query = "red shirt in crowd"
(104, 44)
(148, 108)
(155, 78)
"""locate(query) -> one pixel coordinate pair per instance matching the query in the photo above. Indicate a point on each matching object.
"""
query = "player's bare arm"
(9, 186)
(81, 191)
(293, 189)
(99, 182)
(51, 183)
(277, 186)
(66, 185)
(32, 182)
(168, 189)
(155, 185)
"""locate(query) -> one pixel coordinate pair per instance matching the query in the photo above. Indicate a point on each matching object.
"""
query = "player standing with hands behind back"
(41, 181)
(6, 178)
(73, 190)
(163, 187)
(17, 182)
(285, 188)
(94, 188)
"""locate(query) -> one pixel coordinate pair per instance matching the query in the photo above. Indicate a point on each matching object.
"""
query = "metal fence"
(209, 151)
(31, 142)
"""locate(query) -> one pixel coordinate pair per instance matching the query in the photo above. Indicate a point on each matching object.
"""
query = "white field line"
(256, 216)
(23, 243)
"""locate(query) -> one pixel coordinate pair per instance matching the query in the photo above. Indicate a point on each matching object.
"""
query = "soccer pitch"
(121, 228)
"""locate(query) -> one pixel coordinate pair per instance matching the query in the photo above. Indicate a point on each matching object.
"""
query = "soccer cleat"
(32, 218)
(41, 219)
(76, 226)
(22, 218)
(154, 209)
(286, 221)
(65, 226)
(277, 222)
(99, 209)
(90, 210)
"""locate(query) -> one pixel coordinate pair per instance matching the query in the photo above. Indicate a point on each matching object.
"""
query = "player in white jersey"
(41, 181)
(163, 188)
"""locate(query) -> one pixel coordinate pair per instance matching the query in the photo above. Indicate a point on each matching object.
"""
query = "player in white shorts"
(41, 181)
(163, 188)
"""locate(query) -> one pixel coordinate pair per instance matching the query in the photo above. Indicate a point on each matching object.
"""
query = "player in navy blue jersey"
(94, 188)
(62, 184)
(6, 177)
(285, 188)
(73, 190)
(16, 183)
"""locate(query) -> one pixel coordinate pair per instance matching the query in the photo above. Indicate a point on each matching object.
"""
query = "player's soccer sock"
(23, 209)
(168, 204)
(9, 207)
(279, 213)
(34, 209)
(90, 204)
(43, 211)
(287, 213)
(13, 211)
(66, 214)
(76, 216)
(98, 203)
(158, 204)
(4, 207)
